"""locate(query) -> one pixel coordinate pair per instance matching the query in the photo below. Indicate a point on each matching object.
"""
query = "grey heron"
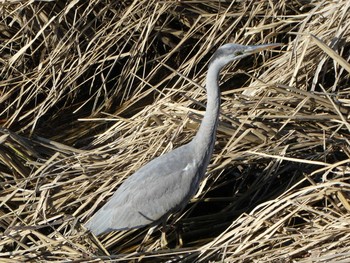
(166, 184)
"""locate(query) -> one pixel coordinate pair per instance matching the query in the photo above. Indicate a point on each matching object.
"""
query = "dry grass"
(92, 90)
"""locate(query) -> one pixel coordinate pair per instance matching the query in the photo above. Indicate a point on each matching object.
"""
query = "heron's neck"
(205, 138)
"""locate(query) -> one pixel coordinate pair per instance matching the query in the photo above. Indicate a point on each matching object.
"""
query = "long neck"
(205, 137)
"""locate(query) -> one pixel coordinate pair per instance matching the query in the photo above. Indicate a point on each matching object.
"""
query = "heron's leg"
(177, 228)
(178, 232)
(163, 239)
(145, 239)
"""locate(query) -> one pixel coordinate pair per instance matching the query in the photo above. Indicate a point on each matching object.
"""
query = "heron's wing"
(161, 186)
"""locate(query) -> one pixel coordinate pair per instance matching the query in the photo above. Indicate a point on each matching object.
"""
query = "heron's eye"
(239, 53)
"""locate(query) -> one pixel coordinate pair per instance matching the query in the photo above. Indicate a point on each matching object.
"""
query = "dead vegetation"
(92, 90)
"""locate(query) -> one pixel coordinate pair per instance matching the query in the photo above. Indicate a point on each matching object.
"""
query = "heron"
(165, 185)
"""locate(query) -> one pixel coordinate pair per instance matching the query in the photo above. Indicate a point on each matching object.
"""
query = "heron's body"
(166, 184)
(137, 205)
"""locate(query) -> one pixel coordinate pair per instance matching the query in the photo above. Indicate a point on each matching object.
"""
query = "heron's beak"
(255, 49)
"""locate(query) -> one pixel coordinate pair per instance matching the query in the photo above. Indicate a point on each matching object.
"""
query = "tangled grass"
(92, 90)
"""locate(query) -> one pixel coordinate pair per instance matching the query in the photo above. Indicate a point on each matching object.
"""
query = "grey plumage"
(166, 184)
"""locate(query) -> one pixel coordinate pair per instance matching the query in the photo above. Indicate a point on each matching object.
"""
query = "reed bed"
(92, 90)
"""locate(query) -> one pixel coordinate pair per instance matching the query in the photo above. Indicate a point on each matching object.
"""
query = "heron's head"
(231, 52)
